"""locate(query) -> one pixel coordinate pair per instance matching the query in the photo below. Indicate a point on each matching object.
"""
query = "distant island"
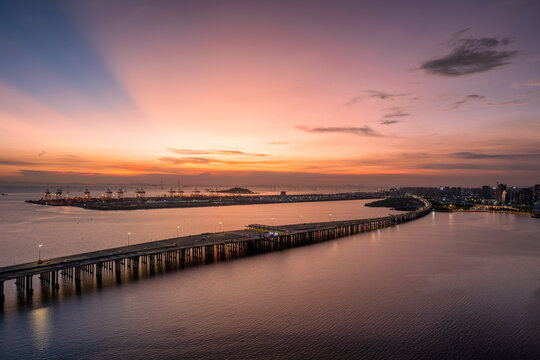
(236, 190)
(398, 203)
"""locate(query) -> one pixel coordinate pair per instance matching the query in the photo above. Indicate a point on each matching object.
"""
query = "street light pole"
(220, 226)
(177, 228)
(128, 237)
(301, 219)
(39, 252)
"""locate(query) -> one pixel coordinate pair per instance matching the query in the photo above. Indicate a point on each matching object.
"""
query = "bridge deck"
(179, 243)
(148, 248)
(122, 252)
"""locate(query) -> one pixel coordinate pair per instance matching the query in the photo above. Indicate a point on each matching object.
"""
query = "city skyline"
(244, 92)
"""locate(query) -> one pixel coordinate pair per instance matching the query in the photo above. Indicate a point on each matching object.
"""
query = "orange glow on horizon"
(189, 90)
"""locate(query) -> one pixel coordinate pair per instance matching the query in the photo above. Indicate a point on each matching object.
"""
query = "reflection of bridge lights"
(41, 327)
(375, 236)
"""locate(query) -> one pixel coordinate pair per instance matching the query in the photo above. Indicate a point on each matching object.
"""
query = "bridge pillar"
(2, 296)
(29, 289)
(54, 279)
(99, 267)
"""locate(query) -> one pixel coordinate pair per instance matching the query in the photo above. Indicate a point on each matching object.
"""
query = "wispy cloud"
(383, 95)
(13, 162)
(188, 151)
(526, 83)
(388, 122)
(393, 115)
(482, 99)
(454, 37)
(215, 161)
(470, 56)
(360, 131)
(234, 152)
(396, 112)
(40, 173)
(212, 152)
(353, 101)
(478, 166)
(185, 160)
(41, 153)
(467, 99)
(477, 156)
(510, 102)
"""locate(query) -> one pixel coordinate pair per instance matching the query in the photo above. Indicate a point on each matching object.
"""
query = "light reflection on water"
(40, 324)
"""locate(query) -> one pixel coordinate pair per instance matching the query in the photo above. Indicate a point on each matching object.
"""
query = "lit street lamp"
(177, 228)
(128, 237)
(330, 217)
(39, 252)
(301, 219)
(220, 226)
(272, 222)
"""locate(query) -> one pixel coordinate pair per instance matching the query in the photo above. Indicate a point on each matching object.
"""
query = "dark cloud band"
(470, 56)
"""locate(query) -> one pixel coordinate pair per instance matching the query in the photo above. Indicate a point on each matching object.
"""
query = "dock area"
(173, 200)
(193, 249)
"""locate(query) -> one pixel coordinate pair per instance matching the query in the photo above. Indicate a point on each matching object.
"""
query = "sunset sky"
(372, 92)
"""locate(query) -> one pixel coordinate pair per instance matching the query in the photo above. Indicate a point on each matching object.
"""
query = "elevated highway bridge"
(193, 249)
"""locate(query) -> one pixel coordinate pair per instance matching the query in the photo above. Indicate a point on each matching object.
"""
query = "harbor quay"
(178, 199)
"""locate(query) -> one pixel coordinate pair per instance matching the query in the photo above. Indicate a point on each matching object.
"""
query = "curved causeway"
(190, 250)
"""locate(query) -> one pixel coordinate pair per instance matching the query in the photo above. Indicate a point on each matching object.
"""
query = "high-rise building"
(536, 191)
(501, 193)
(486, 192)
(524, 196)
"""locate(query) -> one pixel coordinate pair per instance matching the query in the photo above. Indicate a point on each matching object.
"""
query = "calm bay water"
(444, 286)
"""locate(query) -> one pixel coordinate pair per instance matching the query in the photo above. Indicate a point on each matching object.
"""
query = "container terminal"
(178, 199)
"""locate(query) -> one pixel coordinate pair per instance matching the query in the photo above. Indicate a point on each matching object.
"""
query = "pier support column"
(99, 267)
(54, 280)
(29, 289)
(2, 296)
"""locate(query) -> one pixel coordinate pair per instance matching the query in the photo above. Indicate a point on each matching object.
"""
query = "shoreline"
(491, 211)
